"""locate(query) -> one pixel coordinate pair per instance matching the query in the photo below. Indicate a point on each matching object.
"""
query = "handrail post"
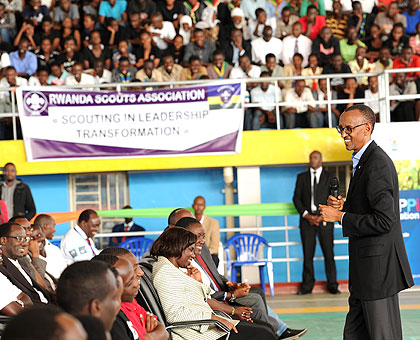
(329, 112)
(387, 102)
(276, 88)
(14, 122)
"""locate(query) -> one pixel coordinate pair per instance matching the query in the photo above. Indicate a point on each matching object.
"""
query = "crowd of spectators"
(73, 42)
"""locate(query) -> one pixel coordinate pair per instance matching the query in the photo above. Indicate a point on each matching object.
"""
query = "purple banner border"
(49, 150)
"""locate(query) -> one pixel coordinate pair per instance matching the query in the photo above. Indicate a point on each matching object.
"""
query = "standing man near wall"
(16, 195)
(312, 190)
(211, 227)
(379, 267)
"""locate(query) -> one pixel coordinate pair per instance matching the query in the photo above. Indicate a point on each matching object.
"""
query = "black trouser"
(326, 239)
(252, 331)
(373, 320)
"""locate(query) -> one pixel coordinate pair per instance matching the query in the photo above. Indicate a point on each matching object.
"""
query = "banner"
(410, 222)
(59, 124)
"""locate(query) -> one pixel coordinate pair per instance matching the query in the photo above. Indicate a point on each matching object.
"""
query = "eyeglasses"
(348, 129)
(21, 239)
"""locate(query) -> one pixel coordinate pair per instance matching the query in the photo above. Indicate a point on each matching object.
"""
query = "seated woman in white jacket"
(184, 297)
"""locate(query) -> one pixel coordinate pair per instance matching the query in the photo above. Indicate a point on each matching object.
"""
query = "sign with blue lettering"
(410, 223)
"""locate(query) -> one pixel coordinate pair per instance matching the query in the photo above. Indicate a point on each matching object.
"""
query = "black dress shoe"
(334, 291)
(304, 292)
(292, 334)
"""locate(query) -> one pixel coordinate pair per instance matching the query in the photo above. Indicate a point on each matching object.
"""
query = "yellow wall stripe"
(259, 148)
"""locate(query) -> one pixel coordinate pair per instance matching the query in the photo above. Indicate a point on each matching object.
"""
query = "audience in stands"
(372, 93)
(297, 114)
(44, 42)
(402, 110)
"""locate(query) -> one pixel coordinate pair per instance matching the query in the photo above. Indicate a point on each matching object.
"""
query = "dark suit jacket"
(228, 49)
(119, 228)
(379, 265)
(9, 270)
(302, 195)
(23, 202)
(120, 329)
(220, 279)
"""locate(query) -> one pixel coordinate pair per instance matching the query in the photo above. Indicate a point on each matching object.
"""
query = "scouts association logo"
(226, 92)
(35, 103)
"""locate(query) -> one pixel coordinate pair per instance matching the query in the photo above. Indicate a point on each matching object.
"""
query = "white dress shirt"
(75, 246)
(313, 173)
(167, 31)
(9, 292)
(293, 99)
(252, 24)
(28, 278)
(304, 46)
(268, 96)
(375, 104)
(86, 79)
(260, 48)
(56, 262)
(238, 73)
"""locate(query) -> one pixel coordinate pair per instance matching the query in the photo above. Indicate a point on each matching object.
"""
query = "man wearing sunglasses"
(379, 267)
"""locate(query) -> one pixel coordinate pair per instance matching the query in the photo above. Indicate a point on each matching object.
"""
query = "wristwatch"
(232, 297)
(20, 303)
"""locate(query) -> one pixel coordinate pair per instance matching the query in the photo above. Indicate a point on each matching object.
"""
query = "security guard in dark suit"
(312, 189)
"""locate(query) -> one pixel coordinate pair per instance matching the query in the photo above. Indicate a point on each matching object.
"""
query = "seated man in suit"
(56, 262)
(14, 242)
(92, 288)
(12, 300)
(127, 226)
(211, 226)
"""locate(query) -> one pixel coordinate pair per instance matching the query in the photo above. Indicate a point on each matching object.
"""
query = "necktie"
(207, 270)
(315, 183)
(126, 228)
(296, 50)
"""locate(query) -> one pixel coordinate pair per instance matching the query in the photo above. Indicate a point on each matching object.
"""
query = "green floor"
(329, 326)
(311, 312)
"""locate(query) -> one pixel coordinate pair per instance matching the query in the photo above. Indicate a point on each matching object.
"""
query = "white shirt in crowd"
(27, 278)
(345, 3)
(4, 60)
(260, 48)
(292, 97)
(4, 83)
(374, 105)
(238, 73)
(86, 79)
(167, 31)
(56, 263)
(105, 78)
(75, 246)
(9, 292)
(252, 24)
(269, 96)
(304, 47)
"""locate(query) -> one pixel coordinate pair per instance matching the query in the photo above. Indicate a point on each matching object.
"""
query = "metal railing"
(383, 82)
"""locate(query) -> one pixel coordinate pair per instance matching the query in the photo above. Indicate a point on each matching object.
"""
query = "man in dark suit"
(236, 47)
(14, 242)
(312, 188)
(379, 267)
(127, 226)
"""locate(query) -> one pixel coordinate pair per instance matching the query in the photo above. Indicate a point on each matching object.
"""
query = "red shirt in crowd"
(316, 29)
(415, 62)
(133, 311)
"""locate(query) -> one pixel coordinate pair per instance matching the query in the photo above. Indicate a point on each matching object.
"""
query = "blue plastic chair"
(137, 245)
(246, 248)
